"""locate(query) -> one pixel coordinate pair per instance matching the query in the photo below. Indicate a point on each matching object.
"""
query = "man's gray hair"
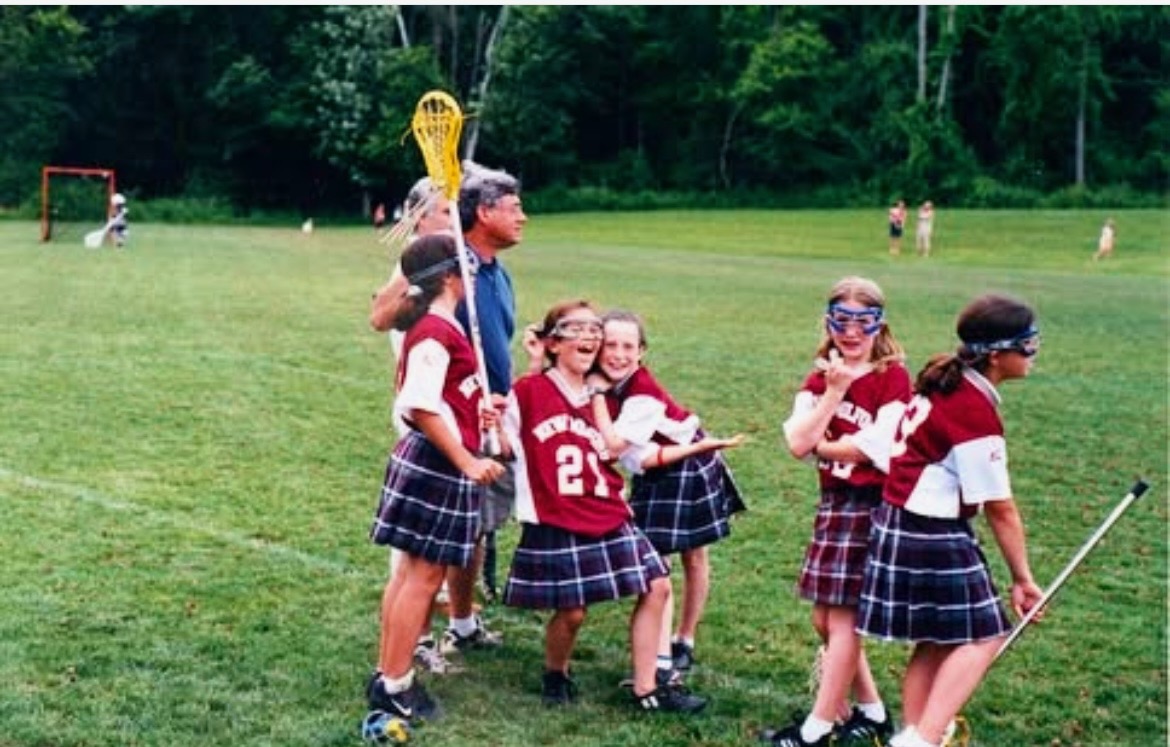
(483, 186)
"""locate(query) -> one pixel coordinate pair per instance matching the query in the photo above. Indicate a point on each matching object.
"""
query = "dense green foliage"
(306, 108)
(193, 431)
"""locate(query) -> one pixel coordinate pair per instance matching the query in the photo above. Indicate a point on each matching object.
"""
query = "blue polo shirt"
(495, 304)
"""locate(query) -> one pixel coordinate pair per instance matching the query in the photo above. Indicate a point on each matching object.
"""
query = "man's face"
(504, 221)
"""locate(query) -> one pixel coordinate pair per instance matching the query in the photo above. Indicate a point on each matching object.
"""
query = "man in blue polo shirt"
(493, 221)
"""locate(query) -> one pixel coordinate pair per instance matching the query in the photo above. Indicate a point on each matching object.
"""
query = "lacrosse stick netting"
(437, 125)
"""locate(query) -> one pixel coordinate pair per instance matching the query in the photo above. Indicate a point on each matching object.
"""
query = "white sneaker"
(481, 637)
(428, 658)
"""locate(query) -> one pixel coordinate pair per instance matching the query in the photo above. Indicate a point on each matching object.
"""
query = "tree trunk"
(945, 77)
(480, 91)
(401, 26)
(922, 13)
(725, 146)
(1082, 102)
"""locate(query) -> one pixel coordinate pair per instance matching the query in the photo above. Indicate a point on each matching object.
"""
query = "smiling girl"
(578, 545)
(843, 421)
(682, 491)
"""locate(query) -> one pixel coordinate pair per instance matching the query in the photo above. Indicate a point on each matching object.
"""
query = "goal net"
(74, 201)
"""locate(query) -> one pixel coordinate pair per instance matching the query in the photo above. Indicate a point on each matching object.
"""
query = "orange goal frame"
(48, 171)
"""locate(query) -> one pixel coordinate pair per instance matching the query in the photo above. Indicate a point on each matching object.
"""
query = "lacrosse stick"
(94, 239)
(1135, 492)
(437, 124)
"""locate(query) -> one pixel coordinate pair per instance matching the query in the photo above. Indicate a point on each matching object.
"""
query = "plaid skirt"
(834, 563)
(928, 581)
(686, 504)
(556, 569)
(428, 508)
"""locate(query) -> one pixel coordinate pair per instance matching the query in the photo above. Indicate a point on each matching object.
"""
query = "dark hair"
(426, 263)
(482, 186)
(988, 319)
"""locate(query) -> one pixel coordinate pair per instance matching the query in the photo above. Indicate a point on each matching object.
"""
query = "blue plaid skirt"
(927, 580)
(834, 562)
(686, 504)
(556, 569)
(427, 508)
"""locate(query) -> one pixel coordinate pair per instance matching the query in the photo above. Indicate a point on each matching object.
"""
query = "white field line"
(167, 519)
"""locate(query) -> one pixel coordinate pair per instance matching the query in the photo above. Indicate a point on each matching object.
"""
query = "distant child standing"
(119, 224)
(928, 581)
(843, 419)
(683, 506)
(897, 220)
(435, 480)
(1105, 243)
(578, 544)
(924, 228)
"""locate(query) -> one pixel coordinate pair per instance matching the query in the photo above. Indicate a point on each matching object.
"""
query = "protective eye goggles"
(1027, 344)
(576, 329)
(838, 318)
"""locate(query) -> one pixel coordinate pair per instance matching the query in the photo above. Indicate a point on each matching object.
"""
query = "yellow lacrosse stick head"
(437, 125)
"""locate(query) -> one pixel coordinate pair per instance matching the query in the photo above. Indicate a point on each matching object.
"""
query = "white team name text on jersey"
(569, 424)
(851, 413)
(468, 386)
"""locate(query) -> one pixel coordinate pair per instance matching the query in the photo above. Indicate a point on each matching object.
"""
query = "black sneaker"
(789, 736)
(557, 688)
(412, 704)
(861, 728)
(683, 656)
(662, 678)
(670, 699)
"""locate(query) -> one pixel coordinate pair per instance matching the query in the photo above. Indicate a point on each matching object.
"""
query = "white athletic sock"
(665, 662)
(690, 642)
(464, 626)
(873, 711)
(909, 737)
(402, 683)
(814, 728)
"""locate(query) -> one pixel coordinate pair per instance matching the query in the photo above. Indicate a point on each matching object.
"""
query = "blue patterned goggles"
(869, 319)
(1027, 344)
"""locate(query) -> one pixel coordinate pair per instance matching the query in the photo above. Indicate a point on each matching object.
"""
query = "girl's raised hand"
(839, 374)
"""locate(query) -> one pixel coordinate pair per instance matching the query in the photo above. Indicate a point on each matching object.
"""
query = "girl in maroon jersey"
(435, 480)
(578, 543)
(683, 505)
(928, 581)
(843, 421)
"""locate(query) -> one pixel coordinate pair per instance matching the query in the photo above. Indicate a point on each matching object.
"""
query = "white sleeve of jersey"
(632, 458)
(983, 470)
(639, 419)
(426, 370)
(876, 439)
(802, 404)
(525, 504)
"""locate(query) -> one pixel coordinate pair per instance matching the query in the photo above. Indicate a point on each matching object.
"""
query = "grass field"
(193, 432)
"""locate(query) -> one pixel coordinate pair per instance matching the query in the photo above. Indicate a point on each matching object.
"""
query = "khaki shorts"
(497, 505)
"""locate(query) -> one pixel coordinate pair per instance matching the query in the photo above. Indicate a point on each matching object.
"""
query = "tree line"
(308, 107)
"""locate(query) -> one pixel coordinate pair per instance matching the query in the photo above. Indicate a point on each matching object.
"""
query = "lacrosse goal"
(74, 200)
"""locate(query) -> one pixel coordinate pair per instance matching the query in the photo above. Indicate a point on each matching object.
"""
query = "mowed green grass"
(193, 433)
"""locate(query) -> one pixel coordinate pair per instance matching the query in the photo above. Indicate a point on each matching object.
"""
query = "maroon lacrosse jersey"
(564, 475)
(461, 390)
(949, 454)
(869, 414)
